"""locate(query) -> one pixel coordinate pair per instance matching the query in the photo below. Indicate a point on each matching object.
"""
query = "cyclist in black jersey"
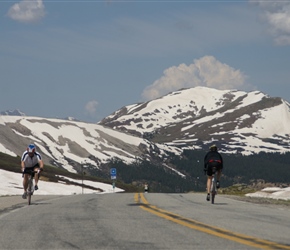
(212, 159)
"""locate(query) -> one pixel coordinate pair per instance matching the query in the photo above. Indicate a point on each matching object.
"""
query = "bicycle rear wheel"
(213, 190)
(212, 197)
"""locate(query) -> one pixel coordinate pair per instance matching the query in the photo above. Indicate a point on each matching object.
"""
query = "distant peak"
(15, 112)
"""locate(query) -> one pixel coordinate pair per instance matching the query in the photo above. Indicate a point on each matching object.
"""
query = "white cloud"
(27, 11)
(91, 108)
(277, 15)
(206, 71)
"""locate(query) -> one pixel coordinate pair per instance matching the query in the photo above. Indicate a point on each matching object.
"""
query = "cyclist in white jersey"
(30, 160)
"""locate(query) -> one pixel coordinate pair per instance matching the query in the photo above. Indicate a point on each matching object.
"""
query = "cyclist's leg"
(209, 177)
(219, 172)
(36, 176)
(209, 180)
(25, 178)
(25, 182)
(25, 185)
(208, 187)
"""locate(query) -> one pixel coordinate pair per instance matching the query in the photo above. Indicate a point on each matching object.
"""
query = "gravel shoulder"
(262, 201)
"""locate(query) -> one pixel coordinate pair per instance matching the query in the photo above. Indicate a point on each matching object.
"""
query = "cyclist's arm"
(41, 164)
(22, 166)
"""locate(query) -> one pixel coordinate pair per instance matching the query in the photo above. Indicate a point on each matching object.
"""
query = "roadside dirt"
(263, 201)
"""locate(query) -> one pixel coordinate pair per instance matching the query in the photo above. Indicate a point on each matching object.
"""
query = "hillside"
(254, 172)
(57, 175)
(161, 141)
(70, 144)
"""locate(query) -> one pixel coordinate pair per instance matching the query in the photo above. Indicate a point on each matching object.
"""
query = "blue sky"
(88, 58)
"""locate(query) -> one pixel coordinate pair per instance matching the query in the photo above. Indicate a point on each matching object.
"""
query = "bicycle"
(30, 187)
(213, 188)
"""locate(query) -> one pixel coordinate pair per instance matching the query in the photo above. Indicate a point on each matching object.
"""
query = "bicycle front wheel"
(29, 191)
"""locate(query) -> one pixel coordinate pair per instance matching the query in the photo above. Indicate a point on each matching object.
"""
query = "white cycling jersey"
(30, 161)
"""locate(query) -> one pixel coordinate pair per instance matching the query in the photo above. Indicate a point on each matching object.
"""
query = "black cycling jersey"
(213, 156)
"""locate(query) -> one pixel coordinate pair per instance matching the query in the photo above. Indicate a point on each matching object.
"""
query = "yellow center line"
(196, 225)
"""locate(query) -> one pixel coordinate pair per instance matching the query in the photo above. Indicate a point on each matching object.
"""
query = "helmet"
(31, 148)
(213, 147)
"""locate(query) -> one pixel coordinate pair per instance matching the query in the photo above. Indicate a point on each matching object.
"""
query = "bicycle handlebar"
(32, 171)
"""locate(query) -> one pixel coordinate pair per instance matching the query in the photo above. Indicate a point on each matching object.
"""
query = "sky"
(88, 58)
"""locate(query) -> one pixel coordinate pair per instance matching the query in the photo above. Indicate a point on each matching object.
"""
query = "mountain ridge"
(236, 120)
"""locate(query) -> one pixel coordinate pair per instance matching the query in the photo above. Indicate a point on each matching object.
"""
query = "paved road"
(8, 203)
(131, 221)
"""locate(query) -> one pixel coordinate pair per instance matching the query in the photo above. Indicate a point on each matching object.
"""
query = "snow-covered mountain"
(15, 112)
(71, 144)
(238, 121)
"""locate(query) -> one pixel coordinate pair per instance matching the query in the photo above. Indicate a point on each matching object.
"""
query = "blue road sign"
(113, 172)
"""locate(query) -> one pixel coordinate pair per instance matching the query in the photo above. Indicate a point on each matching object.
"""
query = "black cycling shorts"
(211, 166)
(28, 170)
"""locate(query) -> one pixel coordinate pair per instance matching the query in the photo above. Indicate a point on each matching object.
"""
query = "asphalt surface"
(140, 221)
(8, 203)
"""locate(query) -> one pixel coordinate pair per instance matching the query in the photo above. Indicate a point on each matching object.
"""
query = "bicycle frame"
(30, 187)
(213, 188)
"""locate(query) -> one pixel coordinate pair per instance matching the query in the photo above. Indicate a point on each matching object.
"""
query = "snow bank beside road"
(11, 184)
(272, 193)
